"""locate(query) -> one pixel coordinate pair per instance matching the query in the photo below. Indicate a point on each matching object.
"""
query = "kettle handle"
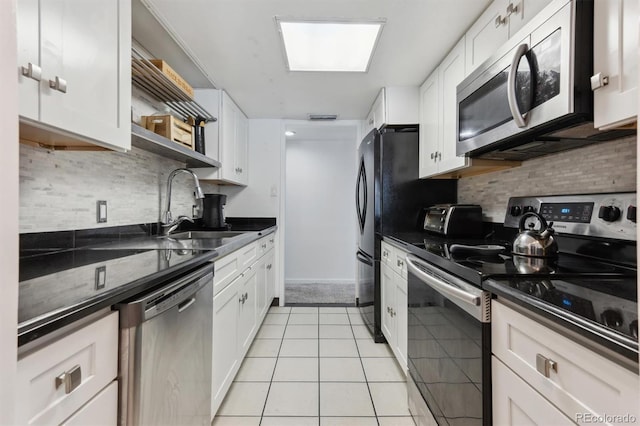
(543, 222)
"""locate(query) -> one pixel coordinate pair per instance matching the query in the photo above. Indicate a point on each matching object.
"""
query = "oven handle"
(440, 285)
(518, 117)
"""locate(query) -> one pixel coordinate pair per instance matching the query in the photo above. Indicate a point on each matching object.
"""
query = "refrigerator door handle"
(362, 257)
(359, 208)
(366, 198)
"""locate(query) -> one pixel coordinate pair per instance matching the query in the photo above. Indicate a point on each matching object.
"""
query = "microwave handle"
(518, 117)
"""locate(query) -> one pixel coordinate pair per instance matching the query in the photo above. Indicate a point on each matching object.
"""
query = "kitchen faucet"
(168, 224)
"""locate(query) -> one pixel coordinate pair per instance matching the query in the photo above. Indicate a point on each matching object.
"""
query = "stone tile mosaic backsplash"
(59, 189)
(605, 167)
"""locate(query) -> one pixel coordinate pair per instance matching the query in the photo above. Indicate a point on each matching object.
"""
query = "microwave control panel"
(610, 215)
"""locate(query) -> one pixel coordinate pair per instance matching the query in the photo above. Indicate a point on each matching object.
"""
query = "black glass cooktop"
(596, 291)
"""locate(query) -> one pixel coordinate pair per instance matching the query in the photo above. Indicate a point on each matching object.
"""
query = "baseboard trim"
(321, 305)
(312, 281)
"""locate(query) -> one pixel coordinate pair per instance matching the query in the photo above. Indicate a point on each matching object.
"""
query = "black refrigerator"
(389, 199)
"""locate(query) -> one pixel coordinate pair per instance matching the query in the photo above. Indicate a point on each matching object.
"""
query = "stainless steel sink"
(191, 235)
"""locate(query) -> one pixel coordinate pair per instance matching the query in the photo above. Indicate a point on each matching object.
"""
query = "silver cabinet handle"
(519, 118)
(500, 20)
(511, 9)
(59, 84)
(272, 240)
(388, 309)
(432, 155)
(246, 296)
(598, 81)
(32, 71)
(439, 156)
(385, 253)
(269, 266)
(544, 365)
(371, 121)
(399, 263)
(264, 246)
(71, 379)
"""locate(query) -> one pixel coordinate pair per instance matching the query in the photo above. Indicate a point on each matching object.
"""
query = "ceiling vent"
(322, 117)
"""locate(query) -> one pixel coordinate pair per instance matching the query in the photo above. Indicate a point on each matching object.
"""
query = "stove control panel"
(610, 215)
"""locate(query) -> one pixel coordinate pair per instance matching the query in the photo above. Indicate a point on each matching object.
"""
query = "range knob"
(611, 318)
(633, 328)
(609, 213)
(515, 211)
(631, 214)
(527, 209)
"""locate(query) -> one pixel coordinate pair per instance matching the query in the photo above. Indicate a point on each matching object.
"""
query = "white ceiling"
(237, 45)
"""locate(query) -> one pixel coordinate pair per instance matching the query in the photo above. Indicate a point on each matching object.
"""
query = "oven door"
(528, 86)
(449, 347)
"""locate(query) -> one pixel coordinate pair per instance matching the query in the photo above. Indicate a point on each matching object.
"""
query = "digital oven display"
(567, 212)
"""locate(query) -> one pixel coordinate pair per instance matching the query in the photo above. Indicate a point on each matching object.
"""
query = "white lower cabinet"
(577, 381)
(226, 308)
(518, 404)
(243, 290)
(393, 274)
(247, 315)
(101, 410)
(61, 379)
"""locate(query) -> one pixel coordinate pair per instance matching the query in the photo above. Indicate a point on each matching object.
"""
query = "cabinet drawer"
(101, 410)
(581, 382)
(41, 399)
(247, 255)
(399, 265)
(516, 403)
(225, 270)
(387, 253)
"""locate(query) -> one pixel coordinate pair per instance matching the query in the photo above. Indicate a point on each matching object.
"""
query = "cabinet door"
(429, 134)
(401, 319)
(241, 147)
(451, 72)
(271, 276)
(369, 123)
(526, 9)
(247, 317)
(616, 57)
(387, 292)
(516, 403)
(28, 54)
(228, 127)
(261, 287)
(101, 410)
(486, 35)
(86, 45)
(379, 110)
(226, 306)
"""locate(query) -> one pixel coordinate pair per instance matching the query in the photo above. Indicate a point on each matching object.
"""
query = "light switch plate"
(101, 277)
(101, 211)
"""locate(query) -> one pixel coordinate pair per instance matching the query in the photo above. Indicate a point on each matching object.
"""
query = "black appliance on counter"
(589, 292)
(454, 220)
(213, 211)
(389, 198)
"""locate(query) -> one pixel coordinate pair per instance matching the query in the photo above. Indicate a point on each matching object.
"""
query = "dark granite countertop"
(59, 285)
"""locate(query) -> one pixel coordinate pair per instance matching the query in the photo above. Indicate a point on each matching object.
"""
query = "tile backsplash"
(59, 189)
(605, 167)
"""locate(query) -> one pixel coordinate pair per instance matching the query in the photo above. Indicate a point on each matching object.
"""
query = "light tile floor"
(316, 366)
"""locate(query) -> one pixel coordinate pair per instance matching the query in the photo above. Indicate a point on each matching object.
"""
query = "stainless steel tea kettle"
(532, 243)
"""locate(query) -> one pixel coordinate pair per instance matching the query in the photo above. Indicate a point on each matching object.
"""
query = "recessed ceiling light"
(325, 45)
(289, 133)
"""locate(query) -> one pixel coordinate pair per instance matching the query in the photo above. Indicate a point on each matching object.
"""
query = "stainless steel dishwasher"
(165, 353)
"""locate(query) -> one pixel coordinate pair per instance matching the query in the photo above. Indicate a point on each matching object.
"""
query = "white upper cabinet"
(615, 58)
(395, 105)
(500, 21)
(75, 71)
(438, 116)
(226, 140)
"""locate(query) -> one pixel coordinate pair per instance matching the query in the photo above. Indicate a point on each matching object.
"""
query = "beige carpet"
(321, 293)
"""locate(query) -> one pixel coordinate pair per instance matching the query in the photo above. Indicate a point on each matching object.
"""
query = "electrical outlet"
(101, 277)
(274, 191)
(101, 211)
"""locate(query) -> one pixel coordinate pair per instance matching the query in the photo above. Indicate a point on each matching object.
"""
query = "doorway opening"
(320, 226)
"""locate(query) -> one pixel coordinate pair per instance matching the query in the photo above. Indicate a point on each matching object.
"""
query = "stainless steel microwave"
(533, 97)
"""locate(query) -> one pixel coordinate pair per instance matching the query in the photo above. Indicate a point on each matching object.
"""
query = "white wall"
(320, 227)
(9, 211)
